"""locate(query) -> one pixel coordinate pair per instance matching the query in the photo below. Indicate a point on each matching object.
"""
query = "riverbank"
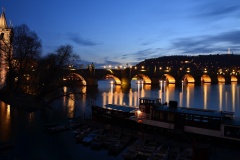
(22, 101)
(36, 143)
(202, 147)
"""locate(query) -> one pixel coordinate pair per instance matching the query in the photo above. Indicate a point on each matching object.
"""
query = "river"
(26, 130)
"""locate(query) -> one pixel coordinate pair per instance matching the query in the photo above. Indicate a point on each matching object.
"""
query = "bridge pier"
(228, 79)
(126, 81)
(155, 81)
(91, 82)
(198, 81)
(214, 80)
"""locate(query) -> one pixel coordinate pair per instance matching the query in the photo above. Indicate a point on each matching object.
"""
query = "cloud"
(222, 11)
(146, 43)
(128, 58)
(232, 37)
(80, 41)
(133, 57)
(125, 56)
(218, 8)
(147, 53)
(85, 63)
(208, 43)
(111, 62)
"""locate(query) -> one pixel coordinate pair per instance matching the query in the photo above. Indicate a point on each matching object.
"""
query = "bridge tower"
(5, 48)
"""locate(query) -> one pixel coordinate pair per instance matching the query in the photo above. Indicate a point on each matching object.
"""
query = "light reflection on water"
(5, 120)
(21, 126)
(222, 97)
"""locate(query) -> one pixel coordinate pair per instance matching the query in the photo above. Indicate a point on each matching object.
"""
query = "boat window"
(205, 119)
(215, 119)
(197, 118)
(189, 117)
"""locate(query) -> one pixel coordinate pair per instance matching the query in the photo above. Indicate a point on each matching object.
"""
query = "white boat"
(212, 123)
(90, 137)
(151, 112)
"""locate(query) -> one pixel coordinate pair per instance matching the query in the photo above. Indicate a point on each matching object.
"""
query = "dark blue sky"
(114, 32)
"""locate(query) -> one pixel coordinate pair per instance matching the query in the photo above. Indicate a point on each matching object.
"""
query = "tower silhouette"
(5, 48)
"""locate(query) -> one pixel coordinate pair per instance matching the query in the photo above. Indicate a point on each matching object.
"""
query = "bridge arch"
(170, 79)
(234, 78)
(146, 79)
(188, 78)
(116, 79)
(221, 78)
(75, 77)
(205, 78)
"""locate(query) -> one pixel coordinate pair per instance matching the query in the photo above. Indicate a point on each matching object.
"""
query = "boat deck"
(192, 111)
(121, 108)
(232, 122)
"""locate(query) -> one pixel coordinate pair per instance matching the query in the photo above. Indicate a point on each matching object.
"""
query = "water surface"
(31, 141)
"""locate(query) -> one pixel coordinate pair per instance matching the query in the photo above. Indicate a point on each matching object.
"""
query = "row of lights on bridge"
(118, 67)
(167, 69)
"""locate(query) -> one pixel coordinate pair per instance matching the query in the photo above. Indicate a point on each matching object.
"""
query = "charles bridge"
(151, 75)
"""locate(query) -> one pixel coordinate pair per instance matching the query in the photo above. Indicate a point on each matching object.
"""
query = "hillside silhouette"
(213, 62)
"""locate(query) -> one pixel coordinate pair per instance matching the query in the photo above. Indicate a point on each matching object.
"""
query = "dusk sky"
(114, 32)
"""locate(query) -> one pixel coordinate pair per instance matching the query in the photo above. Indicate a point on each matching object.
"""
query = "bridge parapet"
(154, 76)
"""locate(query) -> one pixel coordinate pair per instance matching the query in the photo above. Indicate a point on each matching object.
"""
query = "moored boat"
(170, 117)
(161, 153)
(120, 144)
(90, 137)
(82, 133)
(133, 150)
(112, 137)
(147, 150)
(63, 127)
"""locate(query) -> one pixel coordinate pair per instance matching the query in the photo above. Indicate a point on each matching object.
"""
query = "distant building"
(5, 48)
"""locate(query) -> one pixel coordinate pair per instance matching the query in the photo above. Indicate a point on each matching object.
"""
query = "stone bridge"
(147, 76)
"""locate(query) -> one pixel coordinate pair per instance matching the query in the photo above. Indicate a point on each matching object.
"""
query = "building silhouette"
(5, 48)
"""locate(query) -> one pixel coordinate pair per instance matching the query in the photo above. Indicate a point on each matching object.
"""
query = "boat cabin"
(152, 112)
(113, 111)
(146, 104)
(203, 121)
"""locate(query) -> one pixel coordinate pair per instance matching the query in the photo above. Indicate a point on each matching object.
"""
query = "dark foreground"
(62, 145)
